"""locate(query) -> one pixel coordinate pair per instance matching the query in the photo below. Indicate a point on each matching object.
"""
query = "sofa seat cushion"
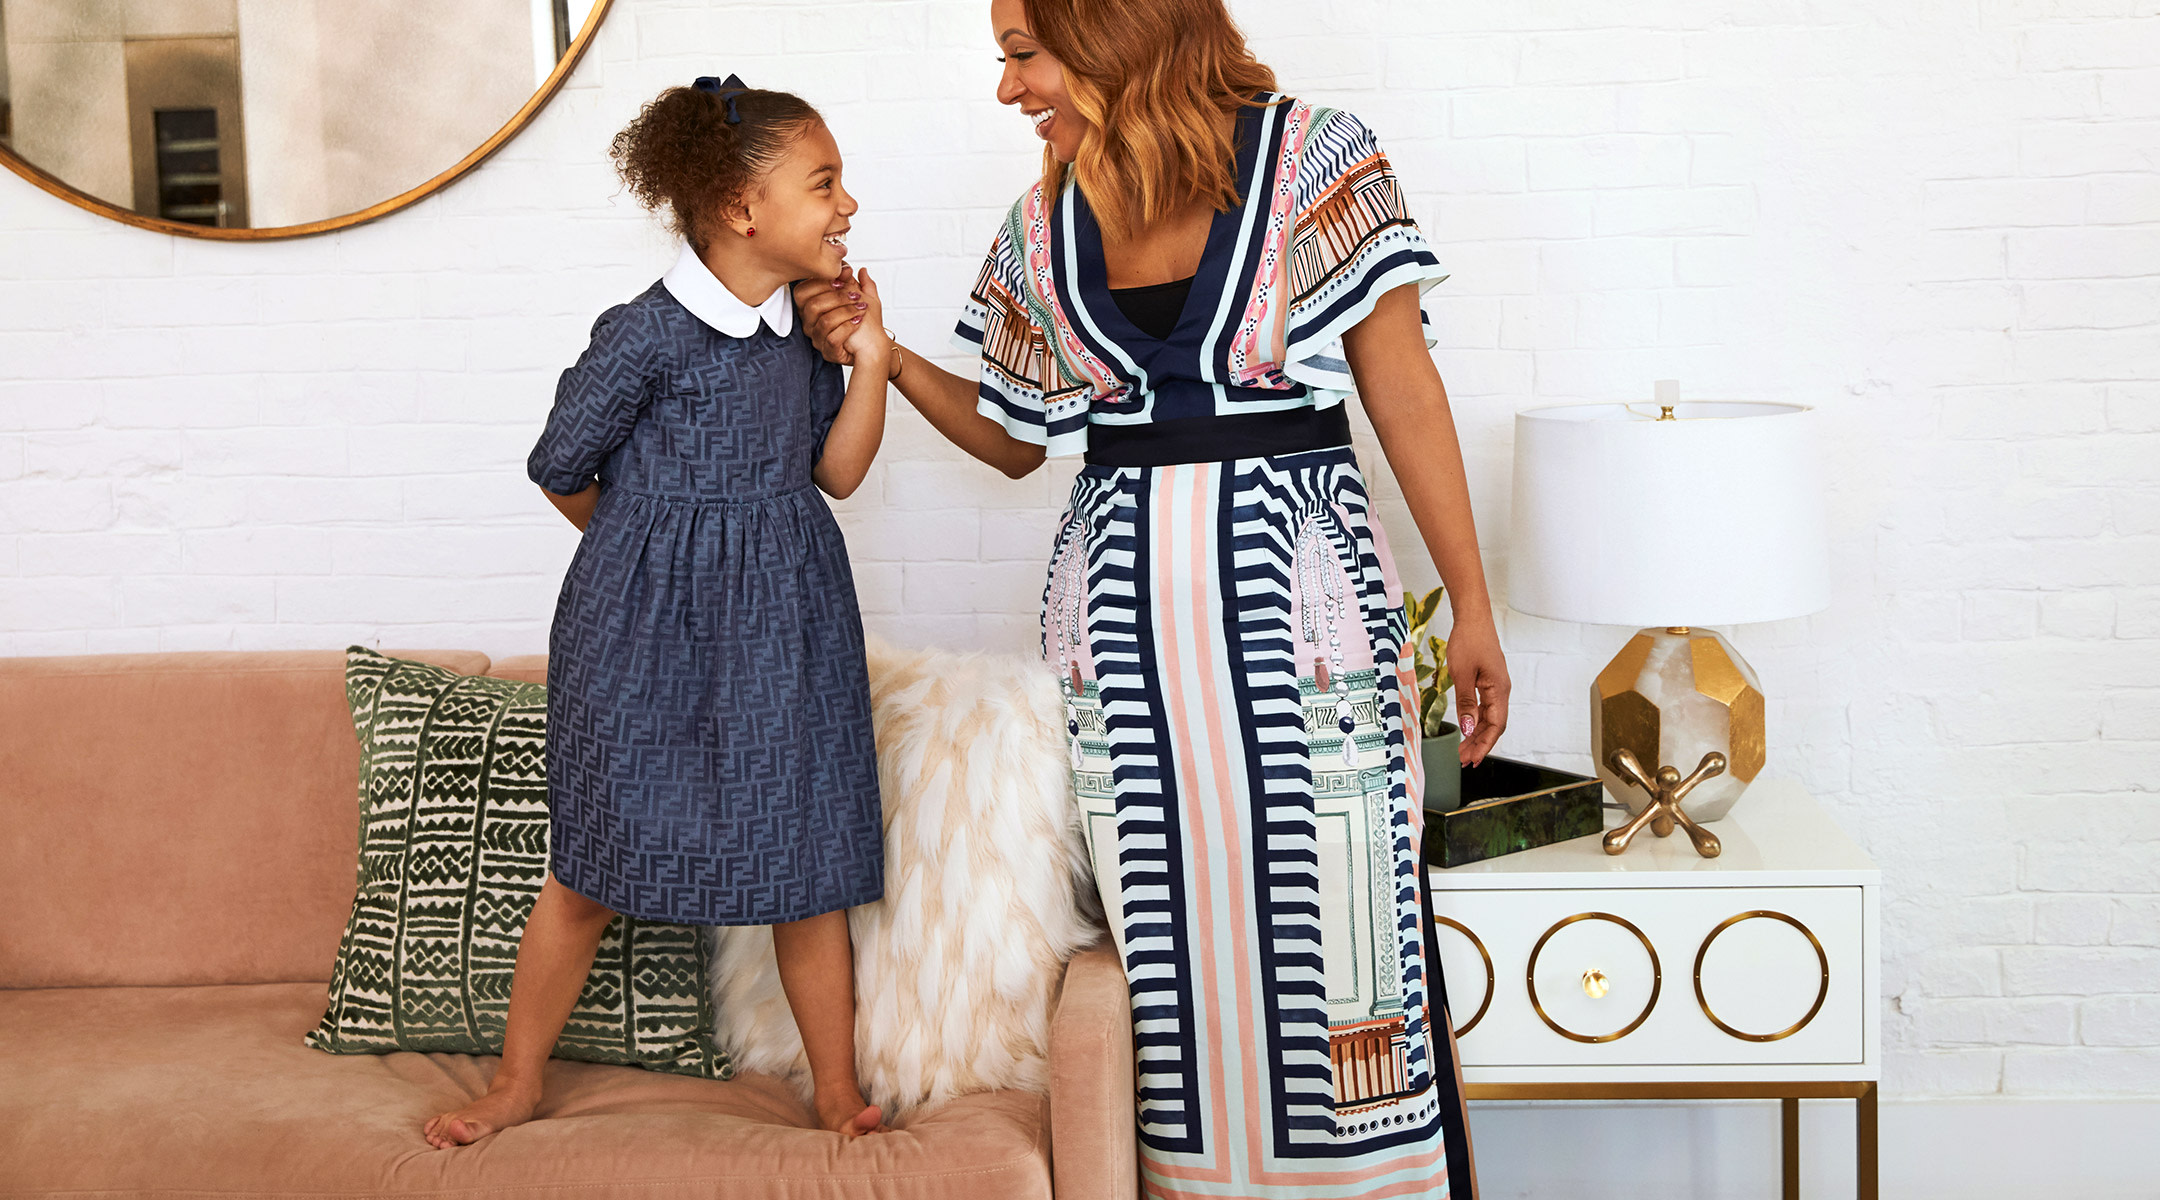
(194, 1091)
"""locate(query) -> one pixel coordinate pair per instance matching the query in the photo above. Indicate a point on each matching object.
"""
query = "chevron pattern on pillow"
(453, 850)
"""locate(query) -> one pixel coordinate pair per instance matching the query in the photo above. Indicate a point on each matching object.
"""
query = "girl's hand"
(865, 342)
(1481, 684)
(827, 308)
(578, 506)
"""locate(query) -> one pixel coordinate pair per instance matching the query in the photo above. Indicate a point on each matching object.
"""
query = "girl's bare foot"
(499, 1109)
(846, 1114)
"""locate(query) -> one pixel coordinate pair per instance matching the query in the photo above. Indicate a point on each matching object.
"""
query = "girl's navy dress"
(709, 746)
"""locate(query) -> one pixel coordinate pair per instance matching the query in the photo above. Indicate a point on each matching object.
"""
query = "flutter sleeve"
(1023, 387)
(597, 402)
(1354, 241)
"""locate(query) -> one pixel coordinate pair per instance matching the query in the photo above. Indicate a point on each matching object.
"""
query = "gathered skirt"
(710, 753)
(1228, 636)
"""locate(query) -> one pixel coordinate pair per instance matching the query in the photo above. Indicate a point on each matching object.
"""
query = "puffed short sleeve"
(1022, 385)
(1354, 241)
(597, 402)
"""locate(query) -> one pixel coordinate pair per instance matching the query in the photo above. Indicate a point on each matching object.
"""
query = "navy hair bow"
(728, 89)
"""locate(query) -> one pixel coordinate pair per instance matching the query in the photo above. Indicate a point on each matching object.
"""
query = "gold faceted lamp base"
(1670, 698)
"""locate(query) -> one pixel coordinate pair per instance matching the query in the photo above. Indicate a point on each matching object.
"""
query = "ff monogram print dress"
(709, 748)
(1223, 615)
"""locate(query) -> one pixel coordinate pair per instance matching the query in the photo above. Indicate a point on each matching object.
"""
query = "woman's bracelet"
(899, 356)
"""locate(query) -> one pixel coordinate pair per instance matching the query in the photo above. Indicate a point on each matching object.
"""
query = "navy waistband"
(1219, 439)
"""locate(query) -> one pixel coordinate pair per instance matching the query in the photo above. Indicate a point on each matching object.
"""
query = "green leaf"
(1437, 648)
(1420, 611)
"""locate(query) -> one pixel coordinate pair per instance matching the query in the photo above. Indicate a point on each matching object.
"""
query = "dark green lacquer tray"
(1509, 806)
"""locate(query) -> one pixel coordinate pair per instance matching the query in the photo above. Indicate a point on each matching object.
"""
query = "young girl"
(709, 746)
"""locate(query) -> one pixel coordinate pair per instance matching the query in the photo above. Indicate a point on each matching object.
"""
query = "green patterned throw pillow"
(453, 850)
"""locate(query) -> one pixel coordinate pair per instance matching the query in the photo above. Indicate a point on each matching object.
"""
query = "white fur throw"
(988, 892)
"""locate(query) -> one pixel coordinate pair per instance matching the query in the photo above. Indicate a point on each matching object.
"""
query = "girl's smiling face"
(1035, 81)
(800, 210)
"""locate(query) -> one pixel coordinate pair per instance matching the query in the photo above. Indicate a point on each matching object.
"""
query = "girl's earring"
(750, 232)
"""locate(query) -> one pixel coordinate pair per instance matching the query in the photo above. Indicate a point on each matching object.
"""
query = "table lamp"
(1671, 516)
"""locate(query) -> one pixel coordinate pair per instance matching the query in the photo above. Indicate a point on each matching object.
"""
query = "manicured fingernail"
(836, 283)
(854, 320)
(854, 295)
(863, 306)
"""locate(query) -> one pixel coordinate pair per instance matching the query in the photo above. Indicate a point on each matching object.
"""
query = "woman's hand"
(1481, 683)
(835, 312)
(866, 345)
(828, 309)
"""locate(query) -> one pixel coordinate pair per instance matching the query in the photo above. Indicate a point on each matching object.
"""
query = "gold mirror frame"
(511, 128)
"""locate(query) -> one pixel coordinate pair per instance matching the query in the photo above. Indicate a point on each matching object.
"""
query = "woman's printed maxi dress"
(1228, 635)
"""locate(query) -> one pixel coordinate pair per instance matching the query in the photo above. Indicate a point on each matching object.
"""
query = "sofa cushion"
(453, 815)
(207, 1091)
(532, 668)
(177, 818)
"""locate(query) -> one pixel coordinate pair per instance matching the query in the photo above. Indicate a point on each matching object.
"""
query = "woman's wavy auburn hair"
(1153, 79)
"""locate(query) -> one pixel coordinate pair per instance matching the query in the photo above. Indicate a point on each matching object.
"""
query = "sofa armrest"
(1094, 1152)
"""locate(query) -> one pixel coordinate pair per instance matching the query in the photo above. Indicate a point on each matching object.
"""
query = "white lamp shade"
(1715, 518)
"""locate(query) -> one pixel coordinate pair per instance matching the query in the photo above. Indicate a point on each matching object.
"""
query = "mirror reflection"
(259, 114)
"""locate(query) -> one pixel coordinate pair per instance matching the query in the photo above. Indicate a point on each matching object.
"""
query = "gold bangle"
(899, 356)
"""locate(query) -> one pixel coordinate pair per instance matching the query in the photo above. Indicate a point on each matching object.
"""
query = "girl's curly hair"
(683, 153)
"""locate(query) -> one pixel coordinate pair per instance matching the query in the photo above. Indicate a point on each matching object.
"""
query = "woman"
(1205, 272)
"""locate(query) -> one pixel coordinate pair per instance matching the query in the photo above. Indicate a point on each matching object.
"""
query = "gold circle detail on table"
(1657, 980)
(1822, 992)
(183, 99)
(1492, 983)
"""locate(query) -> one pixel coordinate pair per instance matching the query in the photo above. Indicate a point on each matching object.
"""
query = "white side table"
(1659, 975)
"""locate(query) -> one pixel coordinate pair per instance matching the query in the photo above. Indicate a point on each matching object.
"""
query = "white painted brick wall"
(1940, 221)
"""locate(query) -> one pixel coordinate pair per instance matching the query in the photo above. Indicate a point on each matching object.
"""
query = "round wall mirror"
(245, 119)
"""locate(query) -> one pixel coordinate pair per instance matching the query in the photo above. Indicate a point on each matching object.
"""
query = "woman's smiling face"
(1034, 80)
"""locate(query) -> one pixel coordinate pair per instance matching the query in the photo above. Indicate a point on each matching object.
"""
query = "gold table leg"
(1789, 1121)
(1787, 1093)
(1865, 1142)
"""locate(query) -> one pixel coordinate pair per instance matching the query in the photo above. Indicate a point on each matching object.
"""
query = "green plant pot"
(1443, 770)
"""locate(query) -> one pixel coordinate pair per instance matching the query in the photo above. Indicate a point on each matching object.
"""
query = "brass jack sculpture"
(1665, 790)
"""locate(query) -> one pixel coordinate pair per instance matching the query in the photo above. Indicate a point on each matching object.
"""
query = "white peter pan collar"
(694, 286)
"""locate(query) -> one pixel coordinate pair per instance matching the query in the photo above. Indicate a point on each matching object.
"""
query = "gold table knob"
(1594, 984)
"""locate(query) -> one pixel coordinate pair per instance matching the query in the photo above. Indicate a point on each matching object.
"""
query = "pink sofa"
(177, 851)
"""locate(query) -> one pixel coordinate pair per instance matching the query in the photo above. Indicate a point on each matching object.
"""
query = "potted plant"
(1442, 738)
